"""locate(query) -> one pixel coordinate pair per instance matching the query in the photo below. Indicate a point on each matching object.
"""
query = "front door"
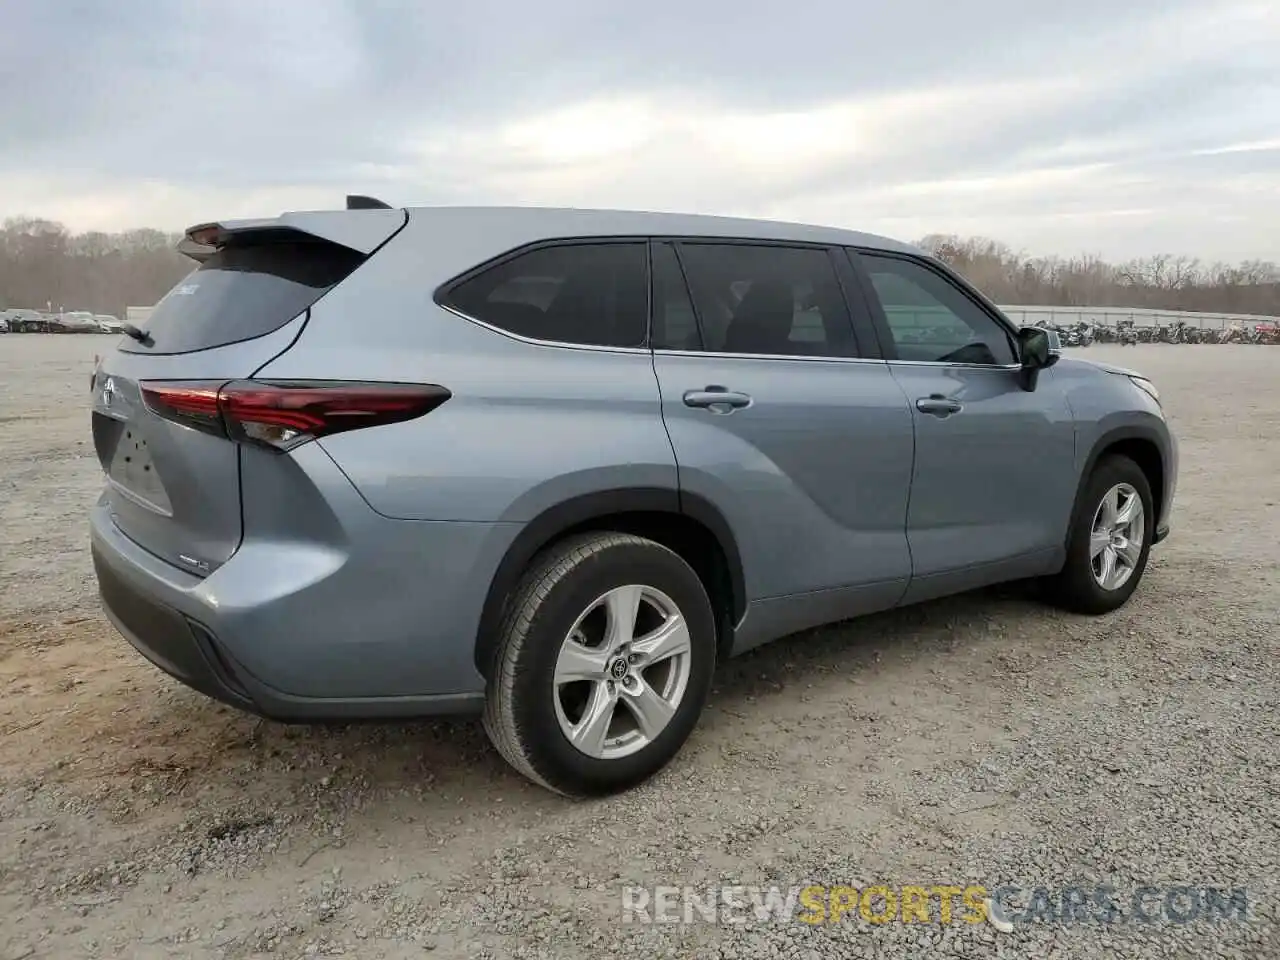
(994, 475)
(773, 418)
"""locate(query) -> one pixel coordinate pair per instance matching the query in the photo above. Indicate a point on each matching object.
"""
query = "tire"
(530, 717)
(1077, 587)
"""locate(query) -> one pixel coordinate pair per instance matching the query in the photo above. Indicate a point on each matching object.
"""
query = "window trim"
(833, 258)
(888, 346)
(440, 294)
(861, 310)
(654, 243)
(851, 275)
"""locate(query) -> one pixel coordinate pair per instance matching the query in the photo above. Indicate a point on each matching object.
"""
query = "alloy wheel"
(622, 671)
(1116, 537)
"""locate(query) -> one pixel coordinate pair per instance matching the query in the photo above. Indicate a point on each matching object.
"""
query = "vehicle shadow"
(257, 760)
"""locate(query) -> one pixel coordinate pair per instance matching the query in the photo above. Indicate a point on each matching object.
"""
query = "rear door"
(994, 471)
(775, 418)
(174, 490)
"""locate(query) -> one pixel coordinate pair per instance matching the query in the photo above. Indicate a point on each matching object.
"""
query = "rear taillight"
(283, 415)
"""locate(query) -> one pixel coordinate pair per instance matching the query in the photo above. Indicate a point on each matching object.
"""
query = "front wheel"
(1110, 540)
(603, 665)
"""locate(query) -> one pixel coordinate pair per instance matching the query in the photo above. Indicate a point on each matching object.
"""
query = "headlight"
(1147, 387)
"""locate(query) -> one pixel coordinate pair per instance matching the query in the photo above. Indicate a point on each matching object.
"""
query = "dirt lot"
(981, 739)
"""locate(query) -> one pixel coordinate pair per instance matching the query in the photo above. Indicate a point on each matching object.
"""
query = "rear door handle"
(713, 396)
(938, 405)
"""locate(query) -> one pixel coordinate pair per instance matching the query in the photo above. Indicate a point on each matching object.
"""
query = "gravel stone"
(981, 739)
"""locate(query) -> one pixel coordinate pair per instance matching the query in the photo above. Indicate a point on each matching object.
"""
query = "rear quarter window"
(243, 292)
(593, 294)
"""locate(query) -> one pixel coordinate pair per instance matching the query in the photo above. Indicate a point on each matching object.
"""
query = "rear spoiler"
(363, 232)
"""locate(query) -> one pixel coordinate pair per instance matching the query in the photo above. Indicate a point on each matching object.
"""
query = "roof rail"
(358, 202)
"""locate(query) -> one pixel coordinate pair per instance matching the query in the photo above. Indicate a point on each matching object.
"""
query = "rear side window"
(768, 300)
(594, 294)
(244, 291)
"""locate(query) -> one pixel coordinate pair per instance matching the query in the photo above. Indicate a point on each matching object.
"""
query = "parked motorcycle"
(1127, 333)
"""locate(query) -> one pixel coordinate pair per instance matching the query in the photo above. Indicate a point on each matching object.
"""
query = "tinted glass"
(931, 318)
(242, 292)
(782, 301)
(594, 294)
(675, 326)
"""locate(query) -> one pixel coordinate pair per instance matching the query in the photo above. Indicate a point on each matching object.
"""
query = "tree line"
(1162, 282)
(44, 266)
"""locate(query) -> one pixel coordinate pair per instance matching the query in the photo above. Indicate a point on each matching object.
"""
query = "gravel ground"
(977, 740)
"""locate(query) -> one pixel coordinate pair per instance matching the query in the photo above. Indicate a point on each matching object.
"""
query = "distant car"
(553, 465)
(108, 324)
(77, 321)
(27, 321)
(4, 324)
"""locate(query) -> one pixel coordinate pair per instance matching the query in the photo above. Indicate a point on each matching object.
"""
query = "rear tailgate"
(175, 490)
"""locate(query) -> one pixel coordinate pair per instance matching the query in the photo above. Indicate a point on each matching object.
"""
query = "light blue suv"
(550, 465)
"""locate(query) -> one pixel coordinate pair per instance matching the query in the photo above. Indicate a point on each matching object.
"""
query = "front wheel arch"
(1139, 444)
(1075, 587)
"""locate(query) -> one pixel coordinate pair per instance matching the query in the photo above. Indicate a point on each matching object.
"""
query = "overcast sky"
(1120, 127)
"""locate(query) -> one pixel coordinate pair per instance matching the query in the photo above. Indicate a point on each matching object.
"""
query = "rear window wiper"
(138, 334)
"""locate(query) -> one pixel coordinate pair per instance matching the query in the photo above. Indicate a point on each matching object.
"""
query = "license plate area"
(132, 468)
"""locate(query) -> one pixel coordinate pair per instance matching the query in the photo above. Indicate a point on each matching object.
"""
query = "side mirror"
(1038, 349)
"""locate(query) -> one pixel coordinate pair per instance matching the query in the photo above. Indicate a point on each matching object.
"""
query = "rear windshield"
(243, 292)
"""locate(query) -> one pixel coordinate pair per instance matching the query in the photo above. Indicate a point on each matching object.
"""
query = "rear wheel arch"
(685, 523)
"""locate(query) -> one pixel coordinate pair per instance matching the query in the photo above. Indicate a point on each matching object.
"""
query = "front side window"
(931, 319)
(767, 300)
(594, 294)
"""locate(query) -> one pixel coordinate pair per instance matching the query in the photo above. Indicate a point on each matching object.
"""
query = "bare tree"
(1163, 281)
(44, 266)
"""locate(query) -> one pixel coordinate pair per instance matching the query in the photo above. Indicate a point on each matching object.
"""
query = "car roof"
(450, 240)
(552, 222)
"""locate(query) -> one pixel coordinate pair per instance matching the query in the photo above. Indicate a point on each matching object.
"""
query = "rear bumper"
(165, 637)
(388, 634)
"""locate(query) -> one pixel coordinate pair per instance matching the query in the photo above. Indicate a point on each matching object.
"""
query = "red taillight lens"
(283, 415)
(191, 404)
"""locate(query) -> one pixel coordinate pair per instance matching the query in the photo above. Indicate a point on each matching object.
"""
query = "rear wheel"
(1110, 540)
(603, 665)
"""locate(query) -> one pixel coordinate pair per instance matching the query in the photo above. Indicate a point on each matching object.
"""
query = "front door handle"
(713, 397)
(938, 405)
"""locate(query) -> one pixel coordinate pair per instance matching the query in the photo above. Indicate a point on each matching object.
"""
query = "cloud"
(1254, 146)
(1121, 129)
